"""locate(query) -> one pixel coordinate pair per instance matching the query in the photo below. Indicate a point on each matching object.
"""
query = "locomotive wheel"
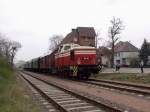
(83, 77)
(79, 77)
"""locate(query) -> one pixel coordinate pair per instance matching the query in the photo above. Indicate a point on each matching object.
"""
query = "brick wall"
(81, 38)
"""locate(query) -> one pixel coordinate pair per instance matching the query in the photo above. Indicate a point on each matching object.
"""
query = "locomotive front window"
(67, 47)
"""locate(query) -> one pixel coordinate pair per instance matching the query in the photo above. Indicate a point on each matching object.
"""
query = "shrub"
(134, 62)
(5, 68)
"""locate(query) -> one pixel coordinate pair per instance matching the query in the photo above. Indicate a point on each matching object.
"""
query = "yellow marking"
(75, 70)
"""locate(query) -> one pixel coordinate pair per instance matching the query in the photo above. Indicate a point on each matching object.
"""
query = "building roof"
(103, 51)
(79, 32)
(86, 31)
(125, 47)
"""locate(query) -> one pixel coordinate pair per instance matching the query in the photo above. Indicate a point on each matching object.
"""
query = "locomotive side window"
(59, 50)
(72, 55)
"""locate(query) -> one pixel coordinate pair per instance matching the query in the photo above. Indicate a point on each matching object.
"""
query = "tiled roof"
(103, 51)
(125, 47)
(79, 31)
(86, 31)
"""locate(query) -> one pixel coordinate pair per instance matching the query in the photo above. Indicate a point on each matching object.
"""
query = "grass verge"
(12, 95)
(128, 77)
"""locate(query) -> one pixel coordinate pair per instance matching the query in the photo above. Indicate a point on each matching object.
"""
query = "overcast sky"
(33, 22)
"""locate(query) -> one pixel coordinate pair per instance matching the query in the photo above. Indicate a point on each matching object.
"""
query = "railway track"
(65, 100)
(140, 90)
(38, 97)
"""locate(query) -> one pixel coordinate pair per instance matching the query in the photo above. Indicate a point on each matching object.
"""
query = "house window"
(86, 38)
(124, 61)
(119, 54)
(118, 61)
(75, 39)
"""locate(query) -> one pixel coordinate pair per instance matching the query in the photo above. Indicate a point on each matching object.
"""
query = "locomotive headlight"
(85, 58)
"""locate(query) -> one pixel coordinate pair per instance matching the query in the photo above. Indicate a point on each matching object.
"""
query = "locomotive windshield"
(67, 47)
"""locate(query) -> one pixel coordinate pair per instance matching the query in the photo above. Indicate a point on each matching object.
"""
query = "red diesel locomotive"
(68, 59)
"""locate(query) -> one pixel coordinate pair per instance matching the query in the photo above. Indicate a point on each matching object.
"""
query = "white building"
(148, 56)
(124, 53)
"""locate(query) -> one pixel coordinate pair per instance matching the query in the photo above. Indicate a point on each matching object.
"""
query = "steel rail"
(121, 86)
(142, 86)
(89, 100)
(50, 100)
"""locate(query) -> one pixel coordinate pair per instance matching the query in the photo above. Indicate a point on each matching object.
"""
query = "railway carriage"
(35, 64)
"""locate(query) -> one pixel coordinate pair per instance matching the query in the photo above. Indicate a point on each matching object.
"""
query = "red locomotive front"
(76, 60)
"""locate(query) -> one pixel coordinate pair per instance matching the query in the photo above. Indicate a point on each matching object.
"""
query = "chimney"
(73, 30)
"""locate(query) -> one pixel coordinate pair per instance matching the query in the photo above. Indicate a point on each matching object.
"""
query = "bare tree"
(114, 31)
(8, 48)
(3, 42)
(55, 41)
(1, 45)
(100, 41)
(13, 50)
(97, 38)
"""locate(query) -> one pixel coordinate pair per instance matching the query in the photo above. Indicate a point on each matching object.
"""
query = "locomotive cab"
(76, 59)
(67, 47)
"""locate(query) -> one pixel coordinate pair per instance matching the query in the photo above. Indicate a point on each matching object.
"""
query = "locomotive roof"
(76, 46)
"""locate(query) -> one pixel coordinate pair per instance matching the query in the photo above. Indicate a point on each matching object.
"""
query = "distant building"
(103, 56)
(125, 52)
(84, 36)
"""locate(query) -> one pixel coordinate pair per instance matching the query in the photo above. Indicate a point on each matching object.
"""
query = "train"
(71, 60)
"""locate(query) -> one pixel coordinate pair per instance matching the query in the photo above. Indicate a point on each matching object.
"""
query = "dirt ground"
(125, 70)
